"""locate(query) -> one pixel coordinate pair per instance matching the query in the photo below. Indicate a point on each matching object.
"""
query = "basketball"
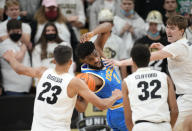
(88, 79)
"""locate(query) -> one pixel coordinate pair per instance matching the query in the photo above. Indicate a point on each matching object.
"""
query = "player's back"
(148, 95)
(53, 108)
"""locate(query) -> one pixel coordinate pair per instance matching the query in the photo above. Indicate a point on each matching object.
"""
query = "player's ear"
(70, 61)
(54, 61)
(82, 61)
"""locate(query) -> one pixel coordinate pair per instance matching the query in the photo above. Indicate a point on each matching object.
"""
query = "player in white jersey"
(57, 92)
(179, 54)
(148, 96)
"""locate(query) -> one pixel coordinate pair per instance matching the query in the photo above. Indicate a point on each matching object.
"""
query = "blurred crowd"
(33, 28)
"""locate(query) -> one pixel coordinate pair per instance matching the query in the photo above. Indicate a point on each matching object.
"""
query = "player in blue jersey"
(106, 78)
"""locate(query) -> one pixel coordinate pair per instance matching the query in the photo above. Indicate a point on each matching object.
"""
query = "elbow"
(81, 110)
(18, 71)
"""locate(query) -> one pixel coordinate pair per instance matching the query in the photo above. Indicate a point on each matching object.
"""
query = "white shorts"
(147, 126)
(185, 109)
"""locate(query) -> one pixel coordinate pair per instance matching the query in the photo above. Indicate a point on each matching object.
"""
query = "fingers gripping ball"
(88, 79)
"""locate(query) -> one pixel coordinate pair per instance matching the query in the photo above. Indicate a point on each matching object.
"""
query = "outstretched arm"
(9, 56)
(172, 102)
(103, 32)
(127, 108)
(77, 86)
(156, 55)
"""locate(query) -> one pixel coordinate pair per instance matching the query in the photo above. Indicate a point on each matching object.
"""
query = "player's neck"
(61, 69)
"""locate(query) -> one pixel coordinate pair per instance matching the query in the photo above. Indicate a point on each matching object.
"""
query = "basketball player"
(179, 54)
(57, 91)
(148, 96)
(106, 78)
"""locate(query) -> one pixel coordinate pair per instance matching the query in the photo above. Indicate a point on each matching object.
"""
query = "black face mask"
(15, 36)
(50, 37)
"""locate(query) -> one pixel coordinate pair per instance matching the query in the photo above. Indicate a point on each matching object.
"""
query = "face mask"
(153, 35)
(50, 37)
(15, 36)
(18, 18)
(127, 13)
(51, 15)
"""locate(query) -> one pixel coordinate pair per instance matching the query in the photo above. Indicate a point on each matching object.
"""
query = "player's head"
(62, 54)
(88, 54)
(140, 55)
(175, 28)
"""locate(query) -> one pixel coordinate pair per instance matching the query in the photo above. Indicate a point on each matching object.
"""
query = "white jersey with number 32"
(53, 108)
(148, 95)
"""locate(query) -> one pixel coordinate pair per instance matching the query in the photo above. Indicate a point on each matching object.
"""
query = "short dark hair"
(13, 24)
(140, 55)
(179, 21)
(85, 49)
(62, 54)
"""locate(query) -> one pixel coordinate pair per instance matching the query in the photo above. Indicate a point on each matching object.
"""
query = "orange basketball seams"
(88, 79)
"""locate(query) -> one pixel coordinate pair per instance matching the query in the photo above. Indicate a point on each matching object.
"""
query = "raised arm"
(9, 56)
(103, 32)
(172, 102)
(127, 108)
(77, 86)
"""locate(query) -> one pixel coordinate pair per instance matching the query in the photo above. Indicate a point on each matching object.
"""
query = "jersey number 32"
(146, 94)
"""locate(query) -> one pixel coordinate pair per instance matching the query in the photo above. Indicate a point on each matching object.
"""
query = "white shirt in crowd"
(11, 80)
(63, 31)
(3, 28)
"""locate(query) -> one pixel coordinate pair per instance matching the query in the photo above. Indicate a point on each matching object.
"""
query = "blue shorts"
(115, 119)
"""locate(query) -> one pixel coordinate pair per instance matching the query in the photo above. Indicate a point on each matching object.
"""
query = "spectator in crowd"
(97, 6)
(28, 9)
(2, 4)
(143, 7)
(74, 12)
(127, 25)
(13, 83)
(184, 7)
(42, 54)
(170, 7)
(189, 28)
(155, 34)
(50, 12)
(12, 10)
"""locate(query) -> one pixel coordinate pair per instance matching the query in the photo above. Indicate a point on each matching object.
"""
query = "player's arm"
(172, 102)
(19, 68)
(81, 104)
(127, 107)
(77, 86)
(103, 32)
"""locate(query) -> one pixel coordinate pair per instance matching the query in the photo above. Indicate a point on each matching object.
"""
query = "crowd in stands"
(33, 28)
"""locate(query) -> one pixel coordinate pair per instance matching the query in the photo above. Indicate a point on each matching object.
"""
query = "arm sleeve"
(176, 50)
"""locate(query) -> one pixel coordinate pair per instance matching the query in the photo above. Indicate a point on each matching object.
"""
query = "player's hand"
(158, 46)
(8, 55)
(86, 37)
(112, 62)
(117, 93)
